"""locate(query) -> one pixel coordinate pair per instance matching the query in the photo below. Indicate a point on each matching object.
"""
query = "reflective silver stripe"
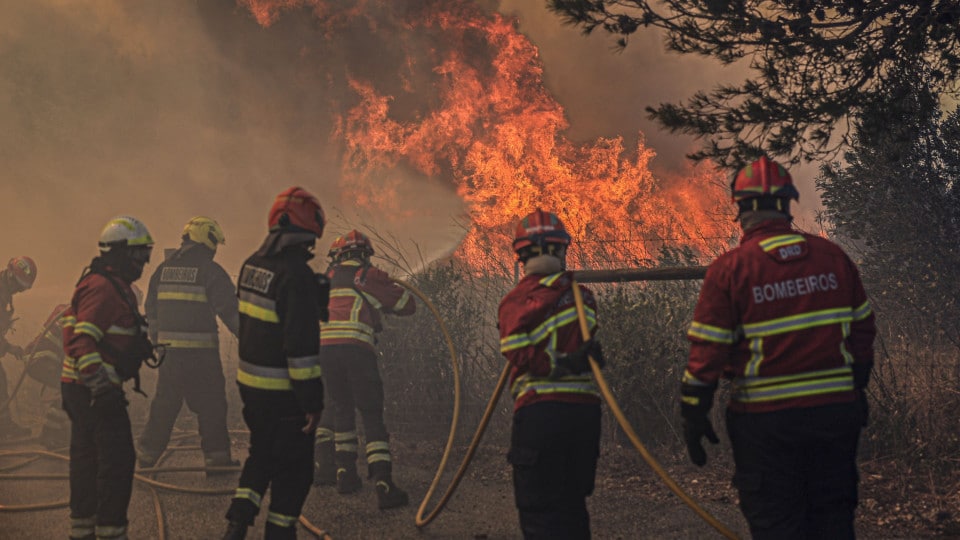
(265, 378)
(794, 390)
(123, 331)
(324, 435)
(263, 371)
(711, 333)
(303, 361)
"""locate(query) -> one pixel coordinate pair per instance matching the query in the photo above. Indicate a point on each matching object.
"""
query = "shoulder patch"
(179, 274)
(256, 279)
(785, 247)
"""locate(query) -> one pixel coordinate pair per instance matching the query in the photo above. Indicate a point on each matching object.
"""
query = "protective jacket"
(358, 294)
(187, 292)
(785, 316)
(279, 332)
(99, 327)
(538, 322)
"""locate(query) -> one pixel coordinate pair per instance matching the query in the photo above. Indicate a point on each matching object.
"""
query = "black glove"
(695, 404)
(578, 361)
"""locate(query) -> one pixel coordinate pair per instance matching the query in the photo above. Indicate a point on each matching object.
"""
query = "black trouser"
(352, 382)
(554, 449)
(796, 471)
(102, 457)
(194, 376)
(281, 458)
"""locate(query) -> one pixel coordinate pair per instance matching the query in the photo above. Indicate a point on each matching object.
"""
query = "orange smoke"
(465, 103)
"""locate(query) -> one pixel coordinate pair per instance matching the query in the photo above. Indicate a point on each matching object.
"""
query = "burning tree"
(450, 92)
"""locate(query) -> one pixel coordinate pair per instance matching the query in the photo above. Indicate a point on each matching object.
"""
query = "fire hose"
(632, 435)
(588, 276)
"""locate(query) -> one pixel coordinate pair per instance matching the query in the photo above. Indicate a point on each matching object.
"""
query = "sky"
(167, 110)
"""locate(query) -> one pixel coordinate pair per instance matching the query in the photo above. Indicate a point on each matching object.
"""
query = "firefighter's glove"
(100, 382)
(578, 362)
(695, 404)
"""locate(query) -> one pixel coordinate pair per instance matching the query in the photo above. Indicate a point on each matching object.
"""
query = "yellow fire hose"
(631, 434)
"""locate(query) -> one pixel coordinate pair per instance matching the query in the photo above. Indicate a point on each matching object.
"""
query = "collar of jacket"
(767, 226)
(542, 264)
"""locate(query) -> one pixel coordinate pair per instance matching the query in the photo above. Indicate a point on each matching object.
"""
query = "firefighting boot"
(324, 466)
(348, 481)
(235, 531)
(388, 494)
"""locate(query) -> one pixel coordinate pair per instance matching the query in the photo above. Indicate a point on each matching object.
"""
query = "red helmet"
(296, 209)
(763, 178)
(23, 270)
(539, 229)
(353, 241)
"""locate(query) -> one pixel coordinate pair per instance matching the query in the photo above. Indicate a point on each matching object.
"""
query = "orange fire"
(466, 104)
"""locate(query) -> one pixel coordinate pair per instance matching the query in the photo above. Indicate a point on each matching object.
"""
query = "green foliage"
(895, 206)
(816, 64)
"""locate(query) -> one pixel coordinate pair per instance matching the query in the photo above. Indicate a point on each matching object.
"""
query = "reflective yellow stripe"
(88, 360)
(263, 378)
(862, 312)
(775, 242)
(258, 312)
(564, 385)
(89, 329)
(282, 520)
(710, 333)
(548, 327)
(248, 494)
(791, 390)
(800, 321)
(304, 374)
(183, 296)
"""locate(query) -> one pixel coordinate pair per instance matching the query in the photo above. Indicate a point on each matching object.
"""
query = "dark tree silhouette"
(817, 64)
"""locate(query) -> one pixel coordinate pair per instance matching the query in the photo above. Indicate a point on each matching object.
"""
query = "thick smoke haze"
(163, 111)
(166, 110)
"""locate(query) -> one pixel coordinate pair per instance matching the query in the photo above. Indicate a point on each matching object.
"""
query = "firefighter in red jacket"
(188, 292)
(17, 277)
(785, 317)
(44, 365)
(105, 341)
(555, 439)
(279, 371)
(360, 294)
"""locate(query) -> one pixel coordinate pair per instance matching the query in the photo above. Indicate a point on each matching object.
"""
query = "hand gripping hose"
(632, 435)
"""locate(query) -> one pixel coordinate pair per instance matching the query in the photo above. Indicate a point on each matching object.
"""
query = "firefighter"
(187, 292)
(105, 342)
(785, 317)
(555, 439)
(279, 371)
(44, 364)
(360, 294)
(18, 276)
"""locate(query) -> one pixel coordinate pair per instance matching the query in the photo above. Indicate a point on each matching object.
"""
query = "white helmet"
(124, 231)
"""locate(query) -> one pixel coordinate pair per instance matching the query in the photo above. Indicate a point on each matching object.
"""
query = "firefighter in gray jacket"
(187, 293)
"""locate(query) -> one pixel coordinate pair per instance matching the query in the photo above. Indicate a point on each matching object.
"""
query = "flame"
(465, 103)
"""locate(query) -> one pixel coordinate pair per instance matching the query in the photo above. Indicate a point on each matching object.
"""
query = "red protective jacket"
(785, 316)
(98, 315)
(537, 322)
(358, 295)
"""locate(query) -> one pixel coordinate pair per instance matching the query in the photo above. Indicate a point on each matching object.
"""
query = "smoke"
(163, 111)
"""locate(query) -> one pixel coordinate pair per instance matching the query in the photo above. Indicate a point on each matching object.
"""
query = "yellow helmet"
(204, 230)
